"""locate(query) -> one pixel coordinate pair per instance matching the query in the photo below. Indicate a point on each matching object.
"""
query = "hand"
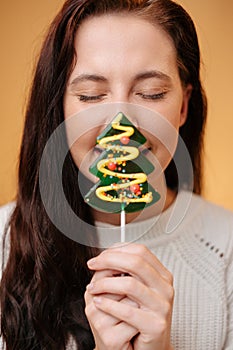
(147, 283)
(108, 331)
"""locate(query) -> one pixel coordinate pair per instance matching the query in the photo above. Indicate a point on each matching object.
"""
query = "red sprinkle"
(112, 166)
(125, 140)
(135, 188)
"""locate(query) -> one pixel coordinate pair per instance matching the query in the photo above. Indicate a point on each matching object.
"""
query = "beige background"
(22, 26)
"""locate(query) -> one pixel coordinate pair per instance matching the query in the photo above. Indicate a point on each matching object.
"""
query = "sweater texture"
(194, 240)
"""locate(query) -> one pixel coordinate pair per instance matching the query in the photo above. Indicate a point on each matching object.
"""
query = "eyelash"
(86, 98)
(158, 96)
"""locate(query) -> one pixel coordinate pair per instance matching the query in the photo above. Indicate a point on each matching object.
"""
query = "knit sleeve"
(5, 214)
(229, 338)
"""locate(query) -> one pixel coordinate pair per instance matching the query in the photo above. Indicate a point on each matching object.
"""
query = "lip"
(145, 150)
(98, 150)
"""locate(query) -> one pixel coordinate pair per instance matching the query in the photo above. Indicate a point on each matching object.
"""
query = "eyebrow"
(152, 74)
(88, 77)
(139, 77)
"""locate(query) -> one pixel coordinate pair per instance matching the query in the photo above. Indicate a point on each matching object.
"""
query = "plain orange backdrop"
(22, 27)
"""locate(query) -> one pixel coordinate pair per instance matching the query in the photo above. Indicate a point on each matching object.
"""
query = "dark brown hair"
(45, 277)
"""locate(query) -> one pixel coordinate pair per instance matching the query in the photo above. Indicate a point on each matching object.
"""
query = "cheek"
(84, 153)
(162, 150)
(68, 106)
(172, 114)
(171, 108)
(71, 105)
(163, 134)
(83, 145)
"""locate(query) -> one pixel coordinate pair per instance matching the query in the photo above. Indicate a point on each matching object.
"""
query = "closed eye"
(158, 96)
(91, 98)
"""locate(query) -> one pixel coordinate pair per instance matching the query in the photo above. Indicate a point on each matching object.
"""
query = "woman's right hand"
(108, 332)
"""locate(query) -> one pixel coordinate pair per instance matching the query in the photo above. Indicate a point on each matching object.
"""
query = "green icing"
(138, 165)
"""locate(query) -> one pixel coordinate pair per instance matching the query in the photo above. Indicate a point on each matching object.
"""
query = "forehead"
(123, 40)
(110, 28)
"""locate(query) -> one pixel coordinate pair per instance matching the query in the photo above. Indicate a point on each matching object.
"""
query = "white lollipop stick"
(122, 229)
(122, 226)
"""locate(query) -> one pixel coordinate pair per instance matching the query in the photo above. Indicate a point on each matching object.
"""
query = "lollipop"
(122, 170)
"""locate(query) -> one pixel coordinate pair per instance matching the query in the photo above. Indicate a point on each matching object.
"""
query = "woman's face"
(122, 58)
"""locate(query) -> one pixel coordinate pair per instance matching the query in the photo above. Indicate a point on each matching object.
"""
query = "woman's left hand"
(147, 283)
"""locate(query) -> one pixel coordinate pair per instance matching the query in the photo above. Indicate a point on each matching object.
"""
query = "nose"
(127, 108)
(120, 99)
(119, 95)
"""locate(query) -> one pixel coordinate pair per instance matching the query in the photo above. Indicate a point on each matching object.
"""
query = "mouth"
(98, 149)
(144, 150)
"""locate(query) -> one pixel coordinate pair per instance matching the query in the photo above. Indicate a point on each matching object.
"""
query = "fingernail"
(91, 262)
(97, 300)
(90, 286)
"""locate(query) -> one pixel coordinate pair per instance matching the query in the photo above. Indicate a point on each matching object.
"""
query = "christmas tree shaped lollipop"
(122, 170)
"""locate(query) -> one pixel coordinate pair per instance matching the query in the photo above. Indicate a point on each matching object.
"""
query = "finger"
(126, 331)
(105, 273)
(96, 316)
(98, 275)
(143, 321)
(128, 301)
(107, 329)
(135, 290)
(89, 296)
(116, 337)
(132, 264)
(144, 252)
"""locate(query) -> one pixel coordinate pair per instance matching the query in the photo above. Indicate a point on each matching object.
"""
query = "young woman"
(164, 291)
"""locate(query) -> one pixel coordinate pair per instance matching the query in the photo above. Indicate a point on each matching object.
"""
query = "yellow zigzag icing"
(132, 153)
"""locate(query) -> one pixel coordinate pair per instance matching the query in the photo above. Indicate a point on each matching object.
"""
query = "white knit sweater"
(199, 253)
